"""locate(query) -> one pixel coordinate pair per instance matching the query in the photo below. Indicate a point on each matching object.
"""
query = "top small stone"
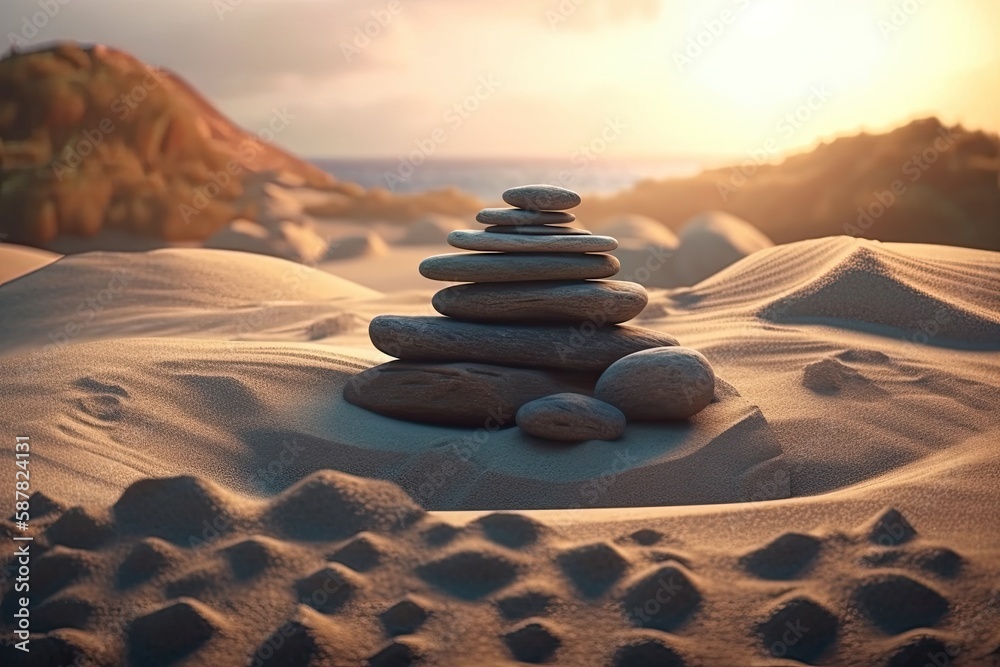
(541, 198)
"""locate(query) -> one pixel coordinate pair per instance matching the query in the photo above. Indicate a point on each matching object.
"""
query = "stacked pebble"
(534, 297)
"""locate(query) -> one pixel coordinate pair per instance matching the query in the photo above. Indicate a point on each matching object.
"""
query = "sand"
(19, 260)
(837, 505)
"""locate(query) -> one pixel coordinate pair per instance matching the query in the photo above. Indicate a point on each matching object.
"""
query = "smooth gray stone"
(544, 230)
(541, 197)
(580, 348)
(658, 384)
(599, 301)
(468, 239)
(518, 216)
(502, 267)
(457, 394)
(571, 418)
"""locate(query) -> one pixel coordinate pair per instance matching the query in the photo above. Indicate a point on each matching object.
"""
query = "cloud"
(256, 45)
(586, 15)
(227, 48)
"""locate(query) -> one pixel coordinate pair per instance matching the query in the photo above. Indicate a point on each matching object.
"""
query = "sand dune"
(230, 408)
(20, 260)
(822, 364)
(184, 570)
(223, 373)
(938, 298)
(192, 293)
(919, 293)
(710, 242)
(431, 230)
(632, 228)
(876, 388)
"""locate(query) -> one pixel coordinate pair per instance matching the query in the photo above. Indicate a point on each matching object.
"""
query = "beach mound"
(224, 295)
(924, 182)
(353, 246)
(232, 407)
(286, 240)
(230, 386)
(430, 230)
(910, 293)
(712, 241)
(850, 327)
(633, 228)
(646, 249)
(944, 301)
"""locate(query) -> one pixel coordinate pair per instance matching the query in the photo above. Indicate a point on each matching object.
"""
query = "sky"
(549, 78)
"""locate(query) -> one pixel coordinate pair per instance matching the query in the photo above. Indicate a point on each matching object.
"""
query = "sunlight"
(775, 51)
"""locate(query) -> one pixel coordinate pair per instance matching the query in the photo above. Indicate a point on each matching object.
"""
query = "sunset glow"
(687, 77)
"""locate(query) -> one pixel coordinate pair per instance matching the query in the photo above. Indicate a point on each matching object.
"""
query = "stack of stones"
(533, 333)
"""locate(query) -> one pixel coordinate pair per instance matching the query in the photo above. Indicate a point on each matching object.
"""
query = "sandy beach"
(763, 507)
(299, 369)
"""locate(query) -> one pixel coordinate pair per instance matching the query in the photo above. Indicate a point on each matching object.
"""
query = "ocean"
(488, 178)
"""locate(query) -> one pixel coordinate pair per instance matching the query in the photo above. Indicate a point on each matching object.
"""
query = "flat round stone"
(653, 385)
(543, 230)
(519, 216)
(541, 197)
(456, 394)
(562, 347)
(468, 239)
(571, 418)
(502, 267)
(599, 301)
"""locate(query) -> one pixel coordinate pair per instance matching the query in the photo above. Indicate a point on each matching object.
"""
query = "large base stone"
(458, 394)
(582, 348)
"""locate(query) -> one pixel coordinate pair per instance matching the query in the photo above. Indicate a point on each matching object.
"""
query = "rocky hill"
(93, 139)
(922, 183)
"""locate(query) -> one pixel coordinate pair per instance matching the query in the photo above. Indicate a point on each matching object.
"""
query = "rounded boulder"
(658, 384)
